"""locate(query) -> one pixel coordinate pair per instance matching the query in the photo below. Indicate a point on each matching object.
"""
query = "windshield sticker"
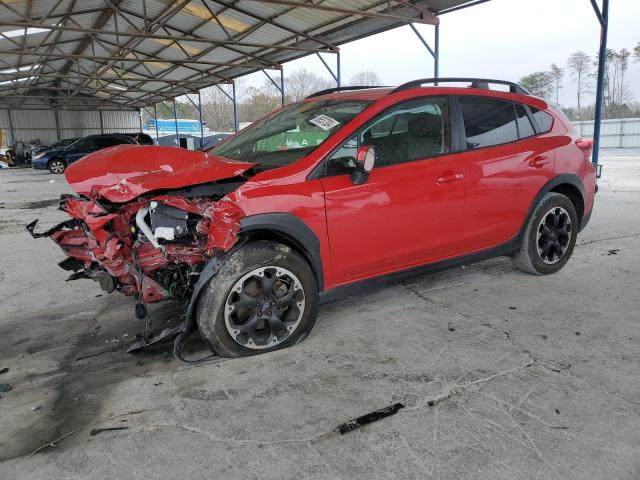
(324, 122)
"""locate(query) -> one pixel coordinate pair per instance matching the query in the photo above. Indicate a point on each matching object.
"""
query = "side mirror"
(365, 159)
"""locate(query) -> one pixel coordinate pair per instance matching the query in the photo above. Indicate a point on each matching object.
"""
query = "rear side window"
(525, 129)
(543, 119)
(488, 122)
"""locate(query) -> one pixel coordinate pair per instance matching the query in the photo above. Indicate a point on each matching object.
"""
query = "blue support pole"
(338, 68)
(235, 107)
(155, 118)
(603, 18)
(201, 125)
(175, 118)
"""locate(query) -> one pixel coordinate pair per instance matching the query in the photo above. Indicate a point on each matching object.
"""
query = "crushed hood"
(120, 174)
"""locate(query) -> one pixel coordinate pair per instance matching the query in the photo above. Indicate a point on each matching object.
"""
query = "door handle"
(449, 178)
(538, 162)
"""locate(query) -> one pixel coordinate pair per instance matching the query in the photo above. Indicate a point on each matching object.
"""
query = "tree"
(636, 52)
(302, 83)
(579, 64)
(217, 109)
(538, 83)
(616, 90)
(366, 78)
(557, 75)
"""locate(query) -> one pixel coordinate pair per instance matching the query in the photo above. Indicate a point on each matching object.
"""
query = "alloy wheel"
(264, 307)
(57, 166)
(554, 235)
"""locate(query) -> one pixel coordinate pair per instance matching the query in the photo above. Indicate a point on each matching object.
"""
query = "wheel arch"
(288, 229)
(568, 184)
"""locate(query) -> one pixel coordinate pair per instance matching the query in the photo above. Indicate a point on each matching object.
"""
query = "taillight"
(586, 146)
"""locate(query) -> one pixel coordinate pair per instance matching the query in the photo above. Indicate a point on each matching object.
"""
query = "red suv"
(344, 186)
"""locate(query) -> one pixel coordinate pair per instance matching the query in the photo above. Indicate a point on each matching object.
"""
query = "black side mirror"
(365, 159)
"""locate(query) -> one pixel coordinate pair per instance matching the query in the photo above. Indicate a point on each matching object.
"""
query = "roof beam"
(424, 16)
(148, 59)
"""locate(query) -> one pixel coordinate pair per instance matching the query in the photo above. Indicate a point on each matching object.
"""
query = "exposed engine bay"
(151, 248)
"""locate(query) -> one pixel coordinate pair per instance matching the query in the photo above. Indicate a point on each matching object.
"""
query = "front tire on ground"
(265, 297)
(57, 166)
(549, 237)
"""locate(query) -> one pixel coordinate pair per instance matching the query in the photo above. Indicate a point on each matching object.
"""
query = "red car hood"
(125, 172)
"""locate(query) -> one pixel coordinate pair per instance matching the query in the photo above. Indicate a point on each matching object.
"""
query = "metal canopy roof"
(128, 54)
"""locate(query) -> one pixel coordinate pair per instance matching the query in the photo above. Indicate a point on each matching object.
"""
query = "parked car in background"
(65, 142)
(344, 186)
(57, 161)
(140, 138)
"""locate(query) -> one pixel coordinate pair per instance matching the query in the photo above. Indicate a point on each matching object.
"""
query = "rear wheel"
(57, 166)
(549, 237)
(265, 297)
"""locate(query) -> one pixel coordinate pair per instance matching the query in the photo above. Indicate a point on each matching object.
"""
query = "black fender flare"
(293, 229)
(564, 178)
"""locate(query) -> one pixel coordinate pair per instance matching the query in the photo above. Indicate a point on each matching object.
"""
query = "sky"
(503, 39)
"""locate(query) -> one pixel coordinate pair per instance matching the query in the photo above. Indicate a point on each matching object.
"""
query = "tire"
(547, 246)
(57, 166)
(226, 312)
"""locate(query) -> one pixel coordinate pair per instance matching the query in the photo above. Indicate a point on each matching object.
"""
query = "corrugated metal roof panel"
(255, 28)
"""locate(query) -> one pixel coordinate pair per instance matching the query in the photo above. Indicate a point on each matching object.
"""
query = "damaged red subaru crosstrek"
(346, 185)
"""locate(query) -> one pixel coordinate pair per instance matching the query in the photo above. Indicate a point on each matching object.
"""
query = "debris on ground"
(369, 418)
(613, 251)
(4, 370)
(75, 430)
(5, 387)
(513, 308)
(96, 431)
(450, 327)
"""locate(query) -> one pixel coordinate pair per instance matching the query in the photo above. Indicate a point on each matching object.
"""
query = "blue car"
(57, 160)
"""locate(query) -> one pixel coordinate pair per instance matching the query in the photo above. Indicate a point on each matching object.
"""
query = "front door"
(410, 210)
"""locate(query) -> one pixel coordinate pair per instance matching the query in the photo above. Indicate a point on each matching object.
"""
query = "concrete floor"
(528, 377)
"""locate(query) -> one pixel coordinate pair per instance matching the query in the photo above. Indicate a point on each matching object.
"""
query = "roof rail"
(342, 89)
(475, 83)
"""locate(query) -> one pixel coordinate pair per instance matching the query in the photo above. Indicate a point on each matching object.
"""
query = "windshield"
(291, 133)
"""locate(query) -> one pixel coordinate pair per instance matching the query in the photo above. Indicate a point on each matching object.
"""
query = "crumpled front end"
(151, 248)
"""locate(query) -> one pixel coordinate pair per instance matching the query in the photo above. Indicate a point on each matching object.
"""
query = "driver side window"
(412, 130)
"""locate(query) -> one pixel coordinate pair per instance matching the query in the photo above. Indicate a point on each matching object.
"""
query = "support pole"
(338, 68)
(436, 57)
(201, 125)
(155, 118)
(101, 122)
(57, 119)
(175, 119)
(603, 17)
(140, 116)
(235, 107)
(282, 86)
(434, 52)
(336, 74)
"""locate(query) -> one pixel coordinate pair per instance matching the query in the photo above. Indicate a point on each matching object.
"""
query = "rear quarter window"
(543, 119)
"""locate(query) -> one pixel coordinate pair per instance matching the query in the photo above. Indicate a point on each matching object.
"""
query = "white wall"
(29, 125)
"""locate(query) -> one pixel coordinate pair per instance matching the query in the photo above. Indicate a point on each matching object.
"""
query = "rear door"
(409, 212)
(505, 166)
